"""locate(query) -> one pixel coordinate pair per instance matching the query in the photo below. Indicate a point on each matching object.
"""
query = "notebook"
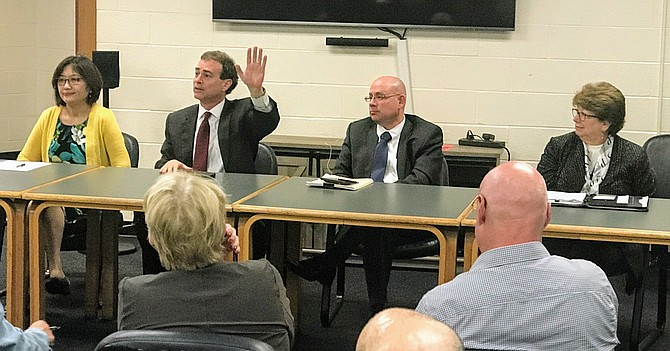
(603, 201)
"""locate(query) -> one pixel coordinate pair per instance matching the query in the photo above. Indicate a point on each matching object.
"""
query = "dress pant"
(151, 263)
(377, 247)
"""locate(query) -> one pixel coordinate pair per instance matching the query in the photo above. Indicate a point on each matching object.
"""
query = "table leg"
(93, 263)
(447, 269)
(109, 274)
(310, 162)
(17, 259)
(243, 232)
(37, 262)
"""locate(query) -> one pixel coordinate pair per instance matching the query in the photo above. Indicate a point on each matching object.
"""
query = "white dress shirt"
(214, 158)
(391, 173)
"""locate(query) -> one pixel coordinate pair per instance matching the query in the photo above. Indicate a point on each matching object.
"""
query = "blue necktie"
(381, 155)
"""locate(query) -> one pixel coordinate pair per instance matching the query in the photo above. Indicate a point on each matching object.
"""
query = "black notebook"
(604, 201)
(618, 202)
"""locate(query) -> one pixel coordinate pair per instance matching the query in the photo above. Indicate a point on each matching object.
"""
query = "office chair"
(74, 233)
(266, 160)
(427, 246)
(658, 151)
(266, 163)
(164, 340)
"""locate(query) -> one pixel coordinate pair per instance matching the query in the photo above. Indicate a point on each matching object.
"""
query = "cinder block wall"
(517, 85)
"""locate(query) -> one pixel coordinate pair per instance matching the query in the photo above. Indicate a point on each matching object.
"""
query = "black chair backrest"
(444, 174)
(133, 148)
(266, 160)
(658, 151)
(164, 340)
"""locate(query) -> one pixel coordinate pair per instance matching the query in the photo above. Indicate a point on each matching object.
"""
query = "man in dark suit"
(413, 155)
(239, 124)
(236, 126)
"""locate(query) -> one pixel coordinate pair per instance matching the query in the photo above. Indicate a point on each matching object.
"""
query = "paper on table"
(339, 182)
(20, 166)
(566, 198)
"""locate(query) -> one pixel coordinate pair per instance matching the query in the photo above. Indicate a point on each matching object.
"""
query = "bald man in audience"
(517, 296)
(406, 330)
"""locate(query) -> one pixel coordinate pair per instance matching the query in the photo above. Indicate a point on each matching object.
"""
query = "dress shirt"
(214, 159)
(520, 298)
(391, 173)
(12, 338)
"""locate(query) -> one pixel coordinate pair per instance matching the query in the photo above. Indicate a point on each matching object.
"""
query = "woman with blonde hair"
(186, 217)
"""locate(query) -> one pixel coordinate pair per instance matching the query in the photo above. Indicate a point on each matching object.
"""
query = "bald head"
(393, 84)
(512, 206)
(400, 329)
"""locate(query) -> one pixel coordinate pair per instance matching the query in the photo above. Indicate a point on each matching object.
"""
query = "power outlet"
(482, 143)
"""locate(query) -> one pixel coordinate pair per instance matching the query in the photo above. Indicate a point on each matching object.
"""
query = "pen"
(339, 181)
(54, 327)
(20, 165)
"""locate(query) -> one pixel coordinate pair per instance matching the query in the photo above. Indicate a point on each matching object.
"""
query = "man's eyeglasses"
(72, 81)
(379, 97)
(581, 116)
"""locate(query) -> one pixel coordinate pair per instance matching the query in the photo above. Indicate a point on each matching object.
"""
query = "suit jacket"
(419, 151)
(241, 127)
(629, 173)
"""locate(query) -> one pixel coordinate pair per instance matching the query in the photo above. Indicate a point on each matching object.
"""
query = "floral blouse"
(68, 144)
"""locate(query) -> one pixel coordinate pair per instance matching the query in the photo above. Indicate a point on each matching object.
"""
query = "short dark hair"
(87, 70)
(228, 64)
(605, 101)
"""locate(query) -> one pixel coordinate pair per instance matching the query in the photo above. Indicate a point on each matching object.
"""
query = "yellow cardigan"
(104, 142)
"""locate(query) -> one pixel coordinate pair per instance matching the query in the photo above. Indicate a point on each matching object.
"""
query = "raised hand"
(254, 73)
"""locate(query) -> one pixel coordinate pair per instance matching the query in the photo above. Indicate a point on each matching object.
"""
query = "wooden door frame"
(85, 27)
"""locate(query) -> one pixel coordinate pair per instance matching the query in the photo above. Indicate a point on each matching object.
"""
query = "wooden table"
(435, 209)
(108, 188)
(13, 184)
(579, 223)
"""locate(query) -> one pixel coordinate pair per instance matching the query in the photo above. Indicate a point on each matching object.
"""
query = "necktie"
(202, 144)
(379, 160)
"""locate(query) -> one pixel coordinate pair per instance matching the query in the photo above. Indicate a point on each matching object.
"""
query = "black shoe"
(301, 269)
(60, 286)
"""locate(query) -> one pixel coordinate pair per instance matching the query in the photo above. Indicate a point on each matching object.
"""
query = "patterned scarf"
(601, 165)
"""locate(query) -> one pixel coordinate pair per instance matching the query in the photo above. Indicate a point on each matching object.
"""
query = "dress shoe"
(303, 270)
(59, 286)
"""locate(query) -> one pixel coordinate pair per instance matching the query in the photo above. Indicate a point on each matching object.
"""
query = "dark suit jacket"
(241, 127)
(629, 173)
(419, 151)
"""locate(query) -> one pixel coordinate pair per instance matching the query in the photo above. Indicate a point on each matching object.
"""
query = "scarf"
(601, 165)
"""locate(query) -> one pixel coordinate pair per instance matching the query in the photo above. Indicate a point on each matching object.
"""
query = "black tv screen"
(473, 14)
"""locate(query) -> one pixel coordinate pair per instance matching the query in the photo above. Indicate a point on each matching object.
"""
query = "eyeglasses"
(581, 116)
(72, 81)
(379, 97)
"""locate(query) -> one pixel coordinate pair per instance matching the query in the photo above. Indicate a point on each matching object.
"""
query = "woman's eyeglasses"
(72, 81)
(581, 116)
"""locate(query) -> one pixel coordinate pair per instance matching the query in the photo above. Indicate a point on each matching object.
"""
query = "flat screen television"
(457, 14)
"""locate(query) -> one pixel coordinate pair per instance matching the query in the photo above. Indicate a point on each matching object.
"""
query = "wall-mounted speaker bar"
(369, 42)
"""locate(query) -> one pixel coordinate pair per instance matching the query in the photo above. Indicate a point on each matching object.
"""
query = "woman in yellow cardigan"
(77, 130)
